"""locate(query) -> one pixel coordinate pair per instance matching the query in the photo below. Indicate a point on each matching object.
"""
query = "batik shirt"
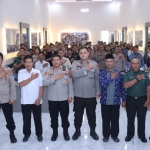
(111, 88)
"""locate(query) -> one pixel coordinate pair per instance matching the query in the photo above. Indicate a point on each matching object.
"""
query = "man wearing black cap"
(111, 81)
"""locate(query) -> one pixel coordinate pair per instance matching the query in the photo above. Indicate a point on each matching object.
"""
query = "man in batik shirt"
(111, 81)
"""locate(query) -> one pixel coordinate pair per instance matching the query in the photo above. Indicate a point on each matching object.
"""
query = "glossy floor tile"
(85, 142)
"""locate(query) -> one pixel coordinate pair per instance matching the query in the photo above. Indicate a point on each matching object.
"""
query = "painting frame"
(12, 40)
(139, 38)
(34, 39)
(130, 37)
(76, 37)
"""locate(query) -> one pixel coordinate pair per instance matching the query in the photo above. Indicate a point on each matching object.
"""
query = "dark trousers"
(8, 113)
(54, 108)
(110, 120)
(26, 112)
(134, 106)
(90, 105)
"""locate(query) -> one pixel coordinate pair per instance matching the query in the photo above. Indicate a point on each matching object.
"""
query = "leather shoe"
(26, 137)
(40, 138)
(76, 134)
(127, 139)
(144, 140)
(93, 134)
(55, 135)
(12, 137)
(66, 135)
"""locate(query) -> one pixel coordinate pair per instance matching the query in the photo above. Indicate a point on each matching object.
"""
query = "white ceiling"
(81, 0)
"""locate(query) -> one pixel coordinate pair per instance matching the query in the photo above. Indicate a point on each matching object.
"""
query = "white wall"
(134, 14)
(67, 17)
(34, 12)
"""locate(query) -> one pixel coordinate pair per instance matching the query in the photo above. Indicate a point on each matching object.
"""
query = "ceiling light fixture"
(84, 10)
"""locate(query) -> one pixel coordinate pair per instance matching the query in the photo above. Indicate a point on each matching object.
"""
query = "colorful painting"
(75, 37)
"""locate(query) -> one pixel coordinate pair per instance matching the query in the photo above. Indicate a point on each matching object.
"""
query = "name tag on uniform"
(92, 70)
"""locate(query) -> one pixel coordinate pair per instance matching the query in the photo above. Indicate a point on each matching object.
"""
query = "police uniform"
(8, 92)
(136, 97)
(86, 86)
(100, 59)
(58, 93)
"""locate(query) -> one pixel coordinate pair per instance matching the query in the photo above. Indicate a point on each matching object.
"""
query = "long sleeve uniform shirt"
(111, 88)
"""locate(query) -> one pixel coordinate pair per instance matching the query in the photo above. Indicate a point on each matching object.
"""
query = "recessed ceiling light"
(84, 10)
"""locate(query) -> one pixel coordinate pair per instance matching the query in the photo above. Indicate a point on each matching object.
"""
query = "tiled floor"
(85, 142)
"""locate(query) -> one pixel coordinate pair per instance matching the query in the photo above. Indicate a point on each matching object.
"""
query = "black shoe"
(40, 138)
(144, 140)
(93, 134)
(26, 137)
(127, 139)
(55, 135)
(76, 134)
(12, 137)
(66, 135)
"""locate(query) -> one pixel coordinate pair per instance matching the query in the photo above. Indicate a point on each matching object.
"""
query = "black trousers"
(134, 106)
(110, 120)
(54, 108)
(90, 105)
(26, 112)
(8, 113)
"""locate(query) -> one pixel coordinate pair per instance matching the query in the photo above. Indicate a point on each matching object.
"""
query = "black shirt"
(70, 58)
(76, 56)
(49, 55)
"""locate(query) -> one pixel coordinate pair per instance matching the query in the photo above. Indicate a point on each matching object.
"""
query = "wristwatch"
(137, 79)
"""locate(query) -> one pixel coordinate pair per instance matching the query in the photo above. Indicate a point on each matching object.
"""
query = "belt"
(136, 97)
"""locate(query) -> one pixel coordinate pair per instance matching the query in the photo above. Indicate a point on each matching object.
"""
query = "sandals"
(105, 139)
(116, 140)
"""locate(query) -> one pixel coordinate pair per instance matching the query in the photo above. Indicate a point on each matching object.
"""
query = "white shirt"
(39, 66)
(67, 63)
(129, 52)
(30, 92)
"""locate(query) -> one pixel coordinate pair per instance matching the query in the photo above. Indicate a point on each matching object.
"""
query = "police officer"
(7, 98)
(99, 57)
(60, 94)
(86, 77)
(137, 84)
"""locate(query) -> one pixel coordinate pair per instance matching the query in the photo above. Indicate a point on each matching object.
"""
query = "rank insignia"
(46, 73)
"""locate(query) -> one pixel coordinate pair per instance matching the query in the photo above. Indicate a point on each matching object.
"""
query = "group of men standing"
(89, 84)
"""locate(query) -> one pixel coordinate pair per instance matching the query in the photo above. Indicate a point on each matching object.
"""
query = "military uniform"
(100, 59)
(17, 61)
(136, 97)
(58, 93)
(86, 86)
(7, 93)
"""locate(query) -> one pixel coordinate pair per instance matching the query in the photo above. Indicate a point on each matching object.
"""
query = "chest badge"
(64, 80)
